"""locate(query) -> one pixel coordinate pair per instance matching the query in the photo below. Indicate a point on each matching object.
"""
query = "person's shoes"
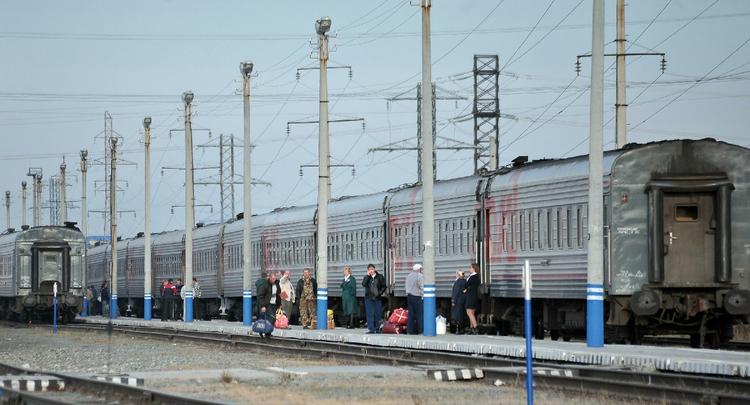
(369, 332)
(305, 327)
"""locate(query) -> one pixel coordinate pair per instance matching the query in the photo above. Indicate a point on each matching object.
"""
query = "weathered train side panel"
(206, 259)
(456, 209)
(355, 238)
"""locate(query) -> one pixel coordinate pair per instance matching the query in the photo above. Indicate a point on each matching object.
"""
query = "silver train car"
(676, 242)
(31, 262)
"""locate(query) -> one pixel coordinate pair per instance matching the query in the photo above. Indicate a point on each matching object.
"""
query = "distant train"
(677, 243)
(31, 262)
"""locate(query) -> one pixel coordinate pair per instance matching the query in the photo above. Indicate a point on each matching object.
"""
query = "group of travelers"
(98, 299)
(172, 300)
(276, 292)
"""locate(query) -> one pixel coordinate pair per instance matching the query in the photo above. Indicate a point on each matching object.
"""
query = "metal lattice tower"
(486, 112)
(226, 174)
(54, 200)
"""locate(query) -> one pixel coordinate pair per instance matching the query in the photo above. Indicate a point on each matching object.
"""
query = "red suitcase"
(392, 328)
(399, 316)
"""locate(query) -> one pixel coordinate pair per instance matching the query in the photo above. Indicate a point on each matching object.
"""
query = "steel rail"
(124, 393)
(669, 387)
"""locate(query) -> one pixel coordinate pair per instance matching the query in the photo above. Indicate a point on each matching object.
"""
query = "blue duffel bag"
(262, 326)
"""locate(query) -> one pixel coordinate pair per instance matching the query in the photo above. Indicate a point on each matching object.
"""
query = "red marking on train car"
(500, 210)
(402, 262)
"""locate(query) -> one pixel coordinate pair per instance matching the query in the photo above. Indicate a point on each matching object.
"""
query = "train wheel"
(539, 331)
(554, 334)
(695, 340)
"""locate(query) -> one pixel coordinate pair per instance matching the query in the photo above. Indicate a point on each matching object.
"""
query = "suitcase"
(399, 316)
(392, 328)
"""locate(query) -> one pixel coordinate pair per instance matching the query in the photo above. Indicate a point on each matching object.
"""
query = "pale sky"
(65, 63)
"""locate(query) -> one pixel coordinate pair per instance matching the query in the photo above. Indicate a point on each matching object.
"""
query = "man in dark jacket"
(258, 283)
(168, 291)
(374, 284)
(306, 293)
(269, 296)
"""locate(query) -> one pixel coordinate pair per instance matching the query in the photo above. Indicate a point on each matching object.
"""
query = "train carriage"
(32, 262)
(356, 237)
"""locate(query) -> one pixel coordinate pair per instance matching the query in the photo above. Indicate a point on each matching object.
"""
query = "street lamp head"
(246, 68)
(147, 123)
(323, 25)
(62, 166)
(23, 184)
(187, 97)
(7, 194)
(84, 154)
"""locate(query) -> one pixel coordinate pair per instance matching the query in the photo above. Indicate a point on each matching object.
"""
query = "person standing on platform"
(471, 294)
(104, 297)
(269, 296)
(168, 291)
(197, 309)
(414, 293)
(458, 303)
(287, 294)
(349, 297)
(179, 300)
(307, 288)
(258, 283)
(374, 284)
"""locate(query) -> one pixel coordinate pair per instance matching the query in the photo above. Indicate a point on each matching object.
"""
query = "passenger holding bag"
(262, 326)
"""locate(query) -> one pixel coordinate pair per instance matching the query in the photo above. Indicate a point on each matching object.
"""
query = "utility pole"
(187, 98)
(621, 103)
(405, 144)
(7, 209)
(23, 204)
(63, 201)
(54, 200)
(428, 213)
(246, 69)
(36, 177)
(147, 288)
(595, 284)
(322, 26)
(84, 201)
(113, 229)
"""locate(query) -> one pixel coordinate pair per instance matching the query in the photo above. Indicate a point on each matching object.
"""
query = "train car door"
(689, 238)
(50, 266)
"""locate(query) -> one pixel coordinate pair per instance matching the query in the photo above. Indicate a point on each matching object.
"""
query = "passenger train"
(677, 243)
(31, 262)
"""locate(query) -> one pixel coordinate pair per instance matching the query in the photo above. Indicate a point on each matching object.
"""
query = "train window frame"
(686, 218)
(579, 225)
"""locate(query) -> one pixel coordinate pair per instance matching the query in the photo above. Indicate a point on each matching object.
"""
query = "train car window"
(522, 230)
(579, 227)
(558, 227)
(567, 227)
(538, 229)
(686, 212)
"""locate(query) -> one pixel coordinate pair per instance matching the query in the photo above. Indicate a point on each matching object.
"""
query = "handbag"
(282, 322)
(392, 328)
(399, 316)
(262, 326)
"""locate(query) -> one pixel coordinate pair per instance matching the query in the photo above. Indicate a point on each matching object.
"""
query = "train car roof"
(174, 236)
(359, 203)
(41, 232)
(443, 189)
(286, 215)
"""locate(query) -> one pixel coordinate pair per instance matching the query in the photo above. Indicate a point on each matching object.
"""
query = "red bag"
(399, 316)
(282, 322)
(389, 327)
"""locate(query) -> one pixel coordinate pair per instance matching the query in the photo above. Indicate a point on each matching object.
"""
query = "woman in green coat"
(349, 297)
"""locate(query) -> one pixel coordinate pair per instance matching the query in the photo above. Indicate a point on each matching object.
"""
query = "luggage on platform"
(392, 328)
(399, 316)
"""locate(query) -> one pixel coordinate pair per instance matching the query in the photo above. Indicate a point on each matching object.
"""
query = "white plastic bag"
(441, 325)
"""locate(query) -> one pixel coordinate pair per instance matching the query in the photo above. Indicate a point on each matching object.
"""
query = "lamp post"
(113, 224)
(7, 209)
(63, 197)
(147, 220)
(429, 304)
(187, 98)
(246, 69)
(322, 26)
(23, 204)
(84, 201)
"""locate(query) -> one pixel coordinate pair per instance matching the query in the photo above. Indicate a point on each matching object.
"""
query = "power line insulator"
(298, 75)
(350, 73)
(663, 66)
(578, 67)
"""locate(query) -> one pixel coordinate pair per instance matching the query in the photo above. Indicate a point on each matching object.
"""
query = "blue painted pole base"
(54, 316)
(429, 310)
(595, 315)
(113, 307)
(322, 309)
(529, 353)
(189, 307)
(247, 307)
(147, 307)
(85, 311)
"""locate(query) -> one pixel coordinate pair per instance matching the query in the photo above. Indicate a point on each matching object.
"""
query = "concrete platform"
(684, 360)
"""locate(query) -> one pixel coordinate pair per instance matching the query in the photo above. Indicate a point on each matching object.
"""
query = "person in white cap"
(414, 294)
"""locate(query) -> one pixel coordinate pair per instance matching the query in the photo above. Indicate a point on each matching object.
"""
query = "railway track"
(76, 390)
(625, 383)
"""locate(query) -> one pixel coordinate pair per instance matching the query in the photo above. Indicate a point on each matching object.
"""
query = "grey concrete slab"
(686, 360)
